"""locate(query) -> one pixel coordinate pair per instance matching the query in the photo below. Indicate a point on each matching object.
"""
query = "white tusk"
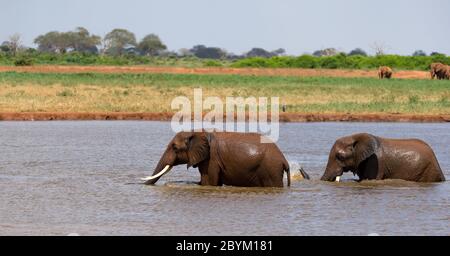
(166, 169)
(338, 178)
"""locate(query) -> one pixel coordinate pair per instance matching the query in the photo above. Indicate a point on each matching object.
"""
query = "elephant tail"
(304, 174)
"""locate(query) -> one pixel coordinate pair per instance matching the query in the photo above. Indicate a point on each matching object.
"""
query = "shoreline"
(165, 116)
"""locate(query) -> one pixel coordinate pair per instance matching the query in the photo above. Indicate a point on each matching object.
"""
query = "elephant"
(446, 73)
(440, 71)
(372, 157)
(384, 72)
(225, 158)
(433, 67)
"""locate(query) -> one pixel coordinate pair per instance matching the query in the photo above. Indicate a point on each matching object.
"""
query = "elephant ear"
(198, 148)
(364, 146)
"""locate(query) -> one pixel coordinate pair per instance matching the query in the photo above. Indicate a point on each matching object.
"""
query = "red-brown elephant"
(372, 157)
(384, 72)
(225, 158)
(439, 70)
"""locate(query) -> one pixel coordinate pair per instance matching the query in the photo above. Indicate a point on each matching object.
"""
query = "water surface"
(58, 178)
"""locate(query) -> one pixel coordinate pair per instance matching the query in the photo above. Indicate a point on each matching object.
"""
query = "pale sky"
(239, 25)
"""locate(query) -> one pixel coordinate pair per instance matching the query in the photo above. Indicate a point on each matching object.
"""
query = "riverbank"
(284, 117)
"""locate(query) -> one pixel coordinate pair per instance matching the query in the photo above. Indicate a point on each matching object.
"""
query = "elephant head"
(348, 153)
(189, 148)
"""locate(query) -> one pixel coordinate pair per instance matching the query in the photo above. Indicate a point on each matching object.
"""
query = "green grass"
(153, 92)
(176, 80)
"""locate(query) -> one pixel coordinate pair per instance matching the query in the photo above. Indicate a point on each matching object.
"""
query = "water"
(60, 178)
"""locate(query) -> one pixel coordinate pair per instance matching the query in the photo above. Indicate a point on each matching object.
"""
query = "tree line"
(121, 47)
(119, 42)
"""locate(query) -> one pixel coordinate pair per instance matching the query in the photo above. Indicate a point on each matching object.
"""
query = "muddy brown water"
(71, 177)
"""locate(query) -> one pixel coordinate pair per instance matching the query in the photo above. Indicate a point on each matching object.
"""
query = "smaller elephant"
(384, 72)
(440, 71)
(372, 157)
(226, 158)
(446, 73)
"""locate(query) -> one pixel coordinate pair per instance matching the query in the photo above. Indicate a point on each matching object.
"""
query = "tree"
(233, 56)
(4, 47)
(436, 53)
(53, 41)
(184, 52)
(258, 52)
(169, 54)
(379, 48)
(14, 43)
(118, 40)
(278, 52)
(357, 51)
(325, 52)
(81, 40)
(202, 51)
(151, 45)
(419, 53)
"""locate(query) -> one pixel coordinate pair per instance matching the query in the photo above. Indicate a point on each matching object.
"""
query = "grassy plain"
(126, 92)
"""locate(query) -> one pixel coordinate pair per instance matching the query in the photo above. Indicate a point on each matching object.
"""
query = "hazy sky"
(238, 25)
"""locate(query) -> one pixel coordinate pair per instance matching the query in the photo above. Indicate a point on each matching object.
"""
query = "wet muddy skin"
(66, 177)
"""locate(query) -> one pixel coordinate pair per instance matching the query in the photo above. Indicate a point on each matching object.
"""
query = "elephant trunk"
(164, 165)
(332, 174)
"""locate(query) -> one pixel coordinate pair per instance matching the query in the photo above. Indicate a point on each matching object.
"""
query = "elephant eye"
(174, 146)
(340, 157)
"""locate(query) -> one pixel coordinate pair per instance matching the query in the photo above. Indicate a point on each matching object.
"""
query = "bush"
(3, 58)
(329, 62)
(344, 61)
(306, 61)
(339, 61)
(256, 62)
(23, 61)
(212, 63)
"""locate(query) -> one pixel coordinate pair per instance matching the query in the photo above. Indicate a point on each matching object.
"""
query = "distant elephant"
(440, 71)
(225, 158)
(384, 72)
(446, 73)
(433, 67)
(372, 157)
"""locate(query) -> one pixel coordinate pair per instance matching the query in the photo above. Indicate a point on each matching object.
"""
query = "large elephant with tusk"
(372, 157)
(225, 158)
(440, 71)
